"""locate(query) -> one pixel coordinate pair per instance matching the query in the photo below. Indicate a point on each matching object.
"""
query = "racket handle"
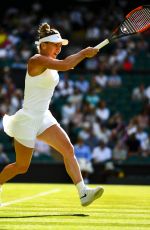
(102, 44)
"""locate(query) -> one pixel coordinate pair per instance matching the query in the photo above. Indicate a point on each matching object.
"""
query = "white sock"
(80, 187)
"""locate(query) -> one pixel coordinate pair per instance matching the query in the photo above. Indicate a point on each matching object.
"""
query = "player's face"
(52, 49)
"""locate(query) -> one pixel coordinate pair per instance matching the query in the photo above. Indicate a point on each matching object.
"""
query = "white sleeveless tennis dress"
(30, 121)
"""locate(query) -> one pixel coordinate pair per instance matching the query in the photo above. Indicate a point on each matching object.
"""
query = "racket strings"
(127, 27)
(139, 20)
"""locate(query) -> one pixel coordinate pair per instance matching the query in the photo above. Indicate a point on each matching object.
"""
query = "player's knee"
(21, 169)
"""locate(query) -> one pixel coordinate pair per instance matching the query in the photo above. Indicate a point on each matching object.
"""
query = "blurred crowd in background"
(98, 133)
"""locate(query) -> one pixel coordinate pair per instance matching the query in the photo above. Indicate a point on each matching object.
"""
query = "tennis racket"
(137, 21)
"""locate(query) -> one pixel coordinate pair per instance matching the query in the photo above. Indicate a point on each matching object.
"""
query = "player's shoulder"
(34, 57)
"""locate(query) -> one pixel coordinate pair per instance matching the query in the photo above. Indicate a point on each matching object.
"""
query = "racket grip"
(102, 44)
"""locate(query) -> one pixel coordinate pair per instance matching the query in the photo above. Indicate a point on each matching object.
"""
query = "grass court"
(57, 206)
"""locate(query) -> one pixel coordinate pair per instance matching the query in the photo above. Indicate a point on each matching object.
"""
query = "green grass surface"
(57, 206)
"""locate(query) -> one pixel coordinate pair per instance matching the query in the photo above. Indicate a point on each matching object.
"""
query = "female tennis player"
(35, 120)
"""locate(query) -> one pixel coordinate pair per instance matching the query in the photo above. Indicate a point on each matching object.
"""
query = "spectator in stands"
(102, 156)
(76, 18)
(101, 79)
(104, 133)
(3, 156)
(132, 143)
(84, 132)
(77, 118)
(84, 158)
(102, 111)
(16, 101)
(88, 112)
(34, 120)
(119, 152)
(117, 57)
(76, 98)
(93, 32)
(82, 84)
(65, 87)
(138, 93)
(143, 119)
(67, 112)
(63, 80)
(114, 79)
(143, 137)
(117, 125)
(147, 93)
(101, 153)
(66, 91)
(127, 64)
(142, 46)
(41, 148)
(4, 43)
(91, 140)
(96, 87)
(92, 98)
(92, 64)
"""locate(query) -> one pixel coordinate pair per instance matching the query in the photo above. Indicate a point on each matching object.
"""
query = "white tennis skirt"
(25, 127)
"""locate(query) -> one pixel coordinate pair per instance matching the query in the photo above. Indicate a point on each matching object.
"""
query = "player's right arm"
(41, 62)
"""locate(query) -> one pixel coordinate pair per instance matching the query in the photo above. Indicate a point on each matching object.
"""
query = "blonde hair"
(45, 30)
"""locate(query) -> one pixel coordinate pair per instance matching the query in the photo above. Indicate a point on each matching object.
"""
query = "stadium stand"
(82, 27)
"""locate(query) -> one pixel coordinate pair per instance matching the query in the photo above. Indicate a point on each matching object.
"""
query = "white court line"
(29, 198)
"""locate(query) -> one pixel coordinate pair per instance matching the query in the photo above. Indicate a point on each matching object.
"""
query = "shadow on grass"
(52, 215)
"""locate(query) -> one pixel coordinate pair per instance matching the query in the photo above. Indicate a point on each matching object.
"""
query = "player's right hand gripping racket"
(137, 21)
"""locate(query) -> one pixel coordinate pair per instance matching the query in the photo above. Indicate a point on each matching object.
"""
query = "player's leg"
(56, 137)
(23, 159)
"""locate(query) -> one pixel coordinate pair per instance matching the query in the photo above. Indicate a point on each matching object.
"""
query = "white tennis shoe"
(91, 194)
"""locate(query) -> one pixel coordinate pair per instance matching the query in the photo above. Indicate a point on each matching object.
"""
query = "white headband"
(54, 38)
